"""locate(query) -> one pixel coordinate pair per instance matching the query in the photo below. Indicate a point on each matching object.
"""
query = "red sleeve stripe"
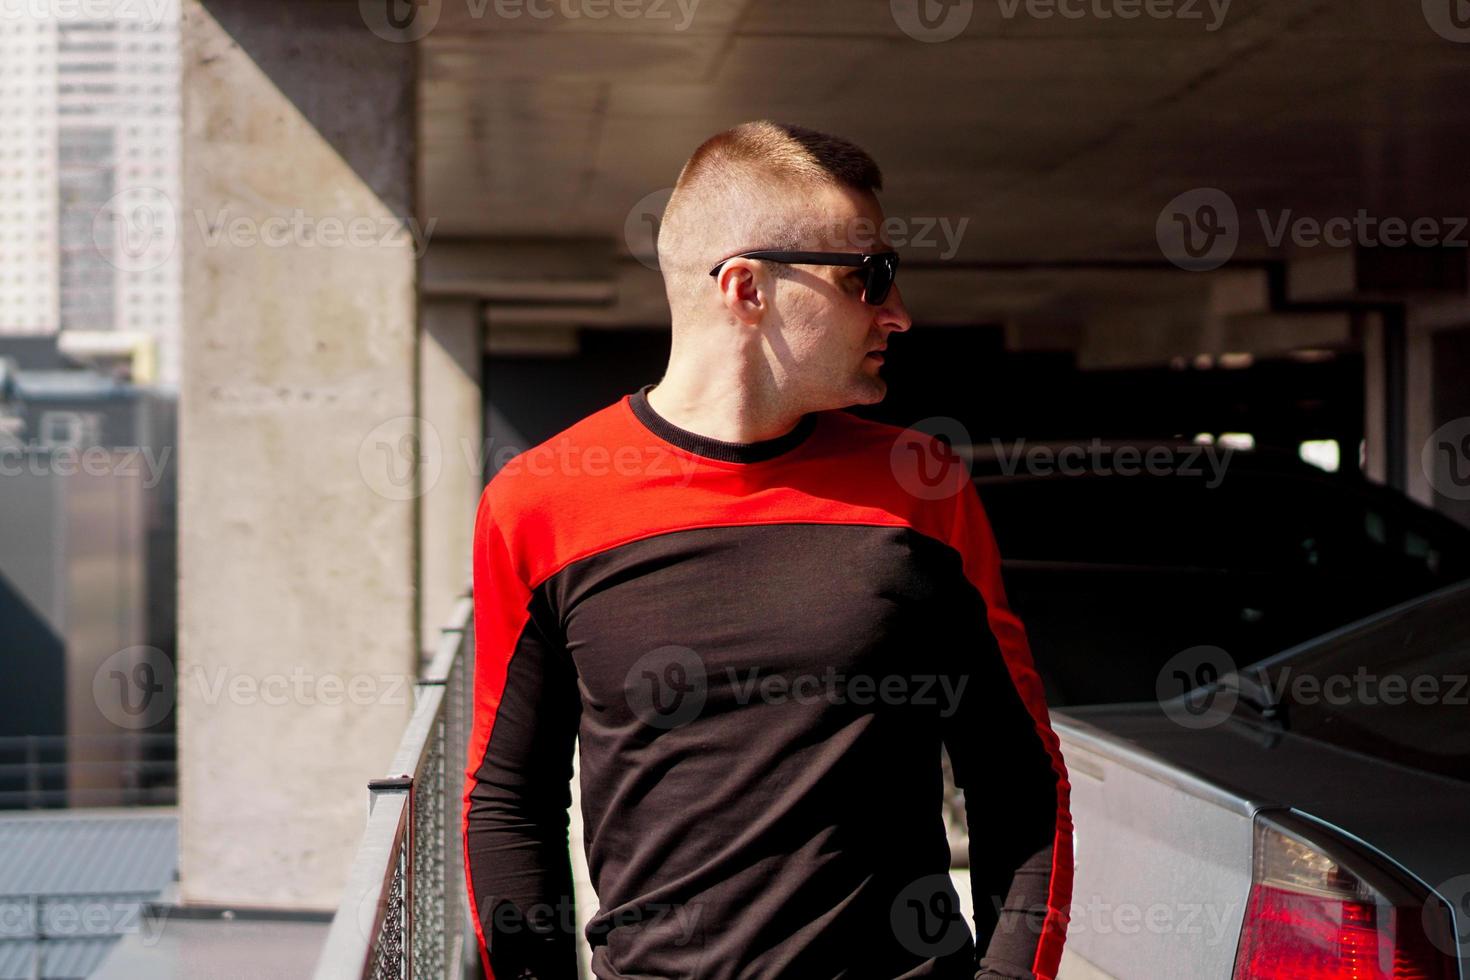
(501, 604)
(982, 568)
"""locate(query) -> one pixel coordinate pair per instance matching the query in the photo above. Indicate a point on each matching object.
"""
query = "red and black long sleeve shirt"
(760, 649)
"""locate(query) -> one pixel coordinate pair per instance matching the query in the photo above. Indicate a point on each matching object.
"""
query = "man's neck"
(723, 406)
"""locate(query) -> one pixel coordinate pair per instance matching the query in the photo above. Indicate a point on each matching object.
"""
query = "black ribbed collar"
(728, 452)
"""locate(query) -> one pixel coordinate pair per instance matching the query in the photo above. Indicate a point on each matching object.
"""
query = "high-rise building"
(89, 171)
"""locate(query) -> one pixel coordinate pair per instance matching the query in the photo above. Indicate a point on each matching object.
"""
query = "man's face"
(833, 337)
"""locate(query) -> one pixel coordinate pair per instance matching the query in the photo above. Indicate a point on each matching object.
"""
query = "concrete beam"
(525, 270)
(1281, 333)
(1154, 336)
(1376, 275)
(525, 340)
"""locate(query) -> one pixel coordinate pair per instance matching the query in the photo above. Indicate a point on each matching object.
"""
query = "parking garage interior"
(1242, 230)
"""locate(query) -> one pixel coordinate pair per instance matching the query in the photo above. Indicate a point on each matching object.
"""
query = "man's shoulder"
(862, 433)
(532, 479)
(919, 470)
(886, 444)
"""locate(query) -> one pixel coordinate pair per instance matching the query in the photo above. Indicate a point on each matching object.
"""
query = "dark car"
(1232, 653)
(1308, 816)
(1119, 565)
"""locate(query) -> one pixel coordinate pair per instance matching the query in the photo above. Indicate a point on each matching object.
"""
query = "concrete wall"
(452, 408)
(298, 605)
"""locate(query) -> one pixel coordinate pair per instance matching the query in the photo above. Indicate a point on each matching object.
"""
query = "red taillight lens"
(1322, 908)
(1288, 936)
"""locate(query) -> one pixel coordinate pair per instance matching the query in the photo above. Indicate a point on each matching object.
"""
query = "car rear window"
(1397, 689)
(1245, 521)
(1114, 575)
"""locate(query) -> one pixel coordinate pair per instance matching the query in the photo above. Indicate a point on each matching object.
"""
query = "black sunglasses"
(879, 268)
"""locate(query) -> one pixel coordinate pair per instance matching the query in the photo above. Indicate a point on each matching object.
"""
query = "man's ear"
(745, 290)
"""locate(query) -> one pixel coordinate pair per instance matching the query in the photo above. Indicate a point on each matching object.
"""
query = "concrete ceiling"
(1058, 140)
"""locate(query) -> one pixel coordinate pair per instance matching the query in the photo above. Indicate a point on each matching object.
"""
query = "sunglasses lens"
(881, 273)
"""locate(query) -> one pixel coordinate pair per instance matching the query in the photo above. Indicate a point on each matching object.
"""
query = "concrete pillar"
(1436, 350)
(451, 354)
(1438, 405)
(1451, 359)
(297, 601)
(1419, 420)
(1375, 400)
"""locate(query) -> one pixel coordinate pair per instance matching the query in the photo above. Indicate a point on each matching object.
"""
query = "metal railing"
(403, 914)
(124, 769)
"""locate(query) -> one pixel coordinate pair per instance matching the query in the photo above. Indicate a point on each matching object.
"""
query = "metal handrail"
(403, 913)
(32, 767)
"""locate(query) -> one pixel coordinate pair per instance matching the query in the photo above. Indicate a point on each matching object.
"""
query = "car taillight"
(1322, 907)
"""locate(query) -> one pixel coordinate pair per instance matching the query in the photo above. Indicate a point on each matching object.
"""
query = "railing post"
(400, 785)
(33, 774)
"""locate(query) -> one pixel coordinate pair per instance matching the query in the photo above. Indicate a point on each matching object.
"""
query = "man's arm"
(518, 776)
(1008, 761)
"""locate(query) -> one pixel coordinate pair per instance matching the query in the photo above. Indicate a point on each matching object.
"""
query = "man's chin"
(861, 390)
(869, 390)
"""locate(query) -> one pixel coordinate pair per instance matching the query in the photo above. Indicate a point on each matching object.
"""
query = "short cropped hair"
(756, 160)
(781, 151)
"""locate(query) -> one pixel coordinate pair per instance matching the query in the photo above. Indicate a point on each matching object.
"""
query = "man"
(760, 618)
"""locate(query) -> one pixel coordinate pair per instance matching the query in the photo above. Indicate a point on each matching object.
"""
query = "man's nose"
(892, 314)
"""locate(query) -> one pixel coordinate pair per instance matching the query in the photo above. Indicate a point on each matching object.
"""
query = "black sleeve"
(1007, 761)
(1010, 806)
(517, 798)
